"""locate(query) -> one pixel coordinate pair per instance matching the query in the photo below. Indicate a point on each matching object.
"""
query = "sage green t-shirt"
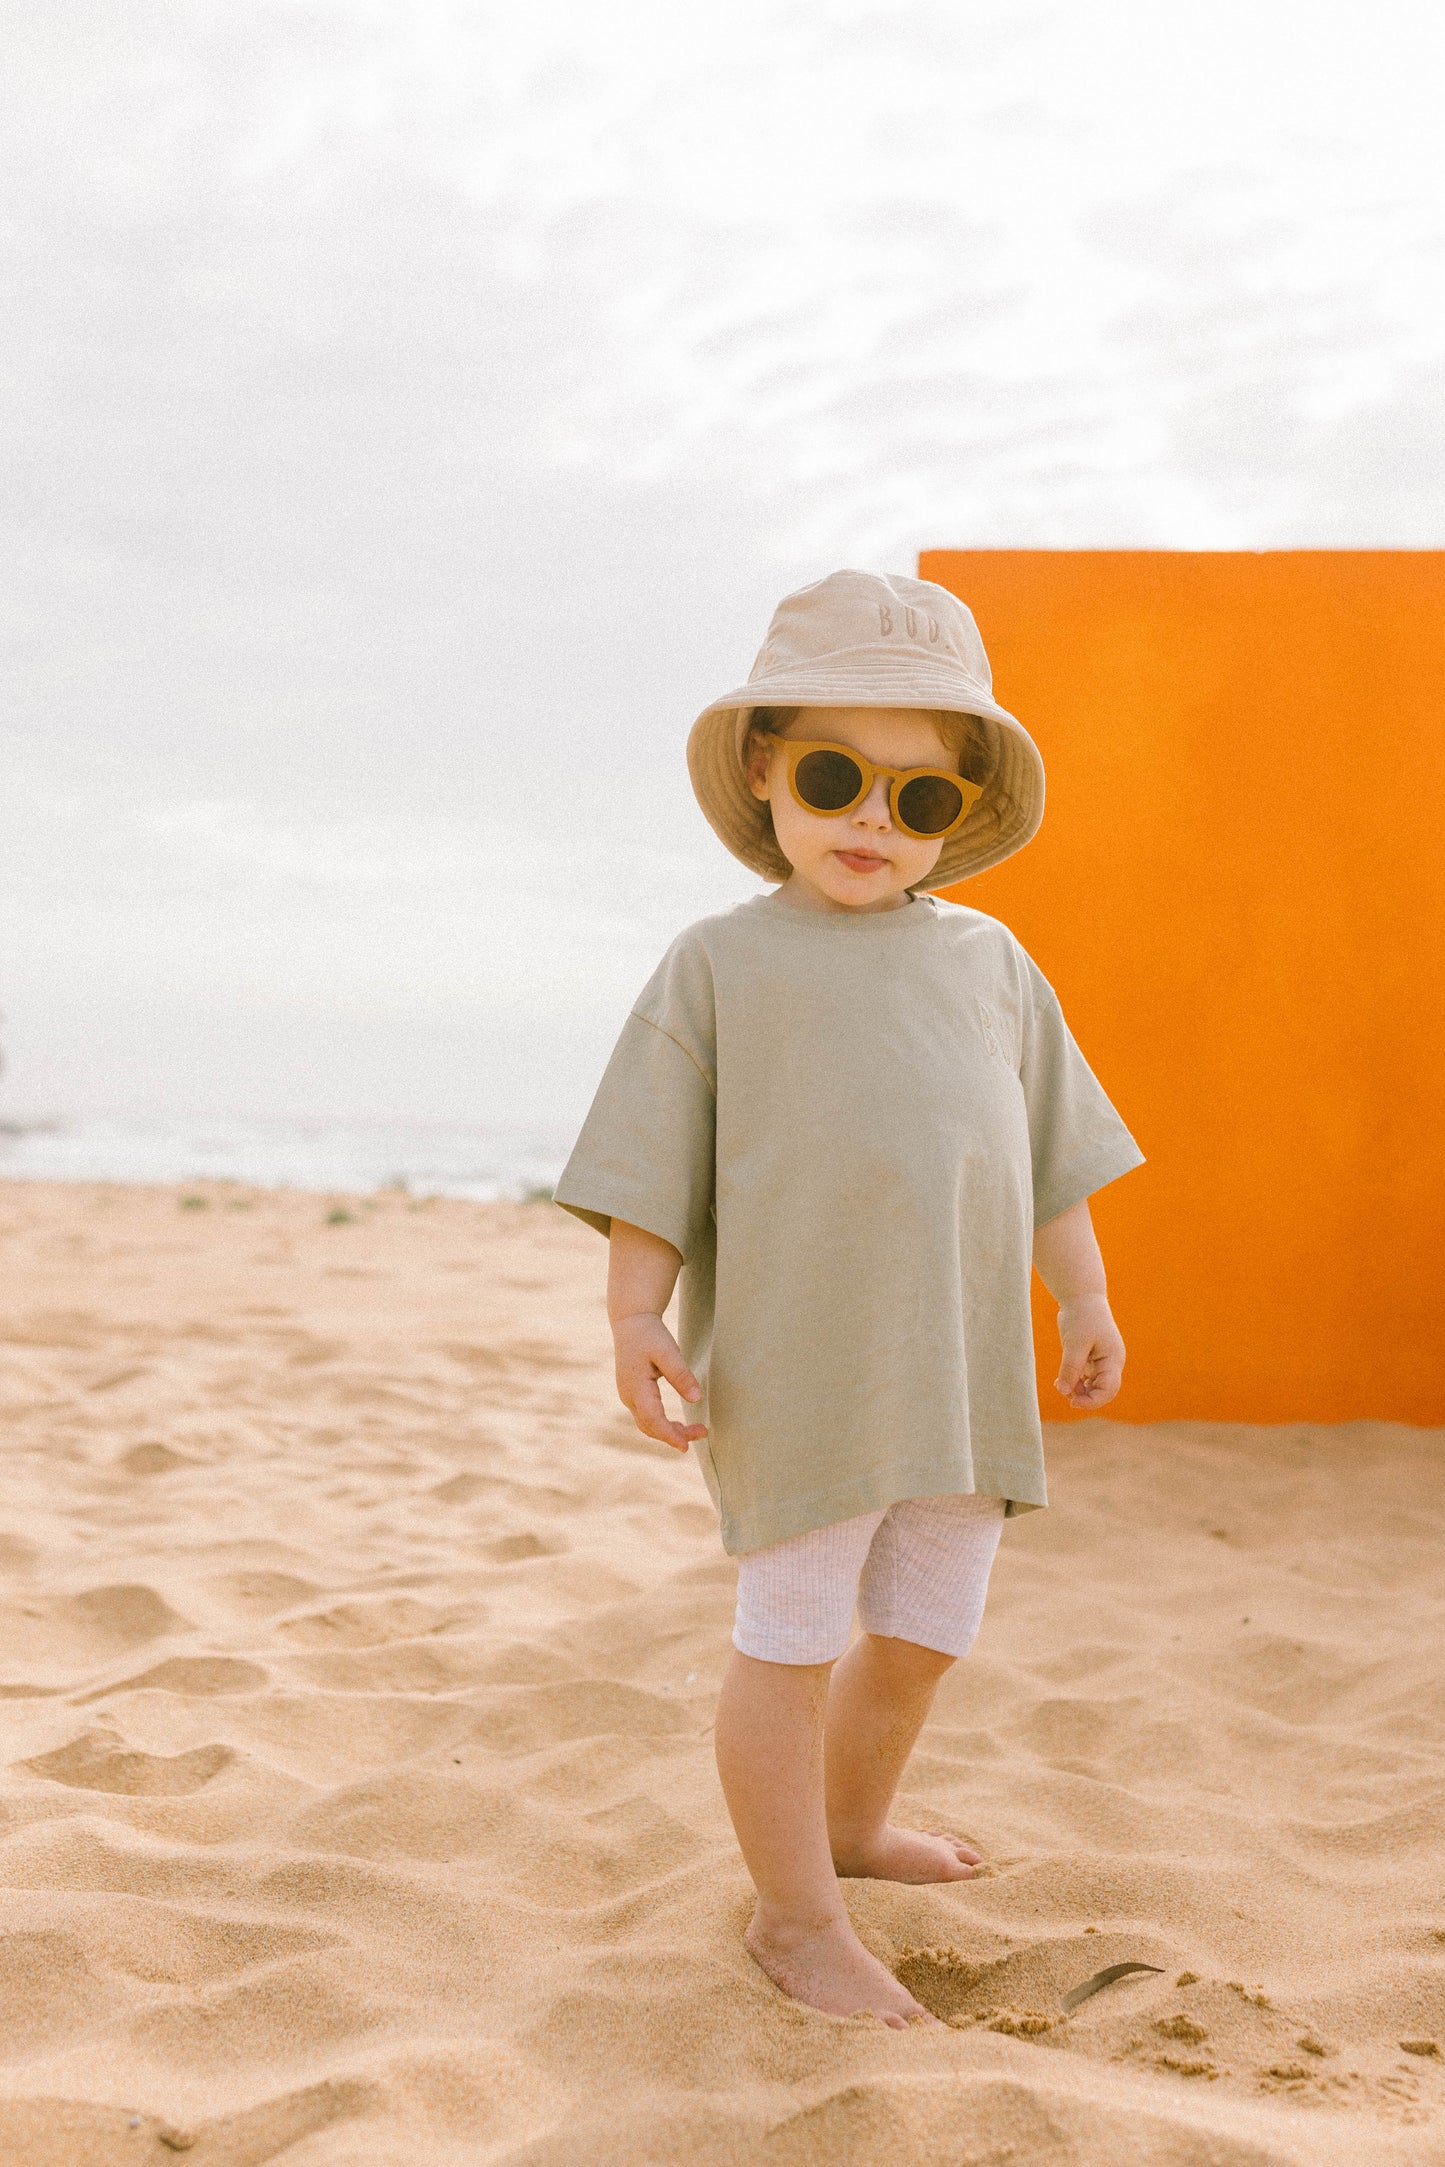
(850, 1126)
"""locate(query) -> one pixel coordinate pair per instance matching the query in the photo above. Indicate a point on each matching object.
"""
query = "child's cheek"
(922, 860)
(802, 837)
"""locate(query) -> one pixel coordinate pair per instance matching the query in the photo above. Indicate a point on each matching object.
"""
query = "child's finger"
(678, 1375)
(651, 1418)
(1071, 1369)
(1098, 1385)
(648, 1411)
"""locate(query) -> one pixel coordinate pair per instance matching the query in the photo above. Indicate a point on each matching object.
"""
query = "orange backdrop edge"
(1237, 892)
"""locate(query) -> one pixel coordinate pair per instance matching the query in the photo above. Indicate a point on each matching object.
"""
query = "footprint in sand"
(86, 1628)
(513, 1549)
(297, 2009)
(175, 1946)
(200, 1674)
(424, 1814)
(257, 1593)
(364, 1625)
(97, 1762)
(464, 1489)
(153, 1458)
(30, 2129)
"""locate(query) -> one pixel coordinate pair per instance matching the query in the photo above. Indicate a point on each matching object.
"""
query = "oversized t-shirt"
(849, 1126)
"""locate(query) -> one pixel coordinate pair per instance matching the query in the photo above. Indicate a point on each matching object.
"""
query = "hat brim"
(1003, 820)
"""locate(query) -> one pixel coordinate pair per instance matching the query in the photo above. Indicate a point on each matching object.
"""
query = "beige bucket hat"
(870, 639)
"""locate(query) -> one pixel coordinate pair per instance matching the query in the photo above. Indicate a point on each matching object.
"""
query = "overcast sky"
(416, 409)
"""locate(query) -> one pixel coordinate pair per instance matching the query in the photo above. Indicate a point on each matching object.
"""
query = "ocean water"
(350, 1157)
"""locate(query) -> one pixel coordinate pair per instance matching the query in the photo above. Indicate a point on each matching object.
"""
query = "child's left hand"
(1093, 1352)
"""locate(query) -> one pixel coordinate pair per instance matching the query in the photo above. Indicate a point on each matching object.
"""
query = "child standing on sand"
(852, 1118)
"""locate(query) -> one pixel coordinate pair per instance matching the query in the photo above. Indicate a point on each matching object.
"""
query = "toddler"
(852, 1118)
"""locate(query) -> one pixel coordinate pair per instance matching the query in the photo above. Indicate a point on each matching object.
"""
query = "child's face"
(856, 860)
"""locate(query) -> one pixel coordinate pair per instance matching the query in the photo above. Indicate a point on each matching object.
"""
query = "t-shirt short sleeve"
(646, 1150)
(1076, 1140)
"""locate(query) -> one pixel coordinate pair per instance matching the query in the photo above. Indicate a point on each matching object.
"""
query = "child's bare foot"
(828, 1967)
(907, 1854)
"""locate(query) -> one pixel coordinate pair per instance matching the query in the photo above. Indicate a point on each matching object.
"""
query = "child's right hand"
(646, 1351)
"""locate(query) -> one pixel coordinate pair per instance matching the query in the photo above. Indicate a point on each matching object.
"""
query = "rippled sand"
(358, 1663)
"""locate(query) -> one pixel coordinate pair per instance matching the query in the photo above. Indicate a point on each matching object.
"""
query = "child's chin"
(842, 886)
(850, 884)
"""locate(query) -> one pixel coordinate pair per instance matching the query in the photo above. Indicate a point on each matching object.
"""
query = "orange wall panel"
(1239, 892)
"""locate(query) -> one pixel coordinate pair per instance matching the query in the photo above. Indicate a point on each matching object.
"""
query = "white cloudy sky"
(415, 409)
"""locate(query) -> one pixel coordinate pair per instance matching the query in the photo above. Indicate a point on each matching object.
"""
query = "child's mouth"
(860, 861)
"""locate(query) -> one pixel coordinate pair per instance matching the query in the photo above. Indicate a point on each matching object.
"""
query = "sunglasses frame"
(899, 777)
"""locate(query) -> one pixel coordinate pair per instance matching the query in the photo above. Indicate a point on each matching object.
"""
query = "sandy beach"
(358, 1669)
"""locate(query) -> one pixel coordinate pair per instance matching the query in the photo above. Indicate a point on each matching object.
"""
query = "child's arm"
(1067, 1259)
(642, 1271)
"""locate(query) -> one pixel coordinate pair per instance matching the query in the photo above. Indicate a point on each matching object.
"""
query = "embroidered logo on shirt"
(992, 1031)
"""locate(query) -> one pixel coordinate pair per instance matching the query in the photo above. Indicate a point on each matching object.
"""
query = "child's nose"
(875, 809)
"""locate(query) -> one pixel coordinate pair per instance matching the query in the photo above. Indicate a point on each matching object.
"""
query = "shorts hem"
(923, 1633)
(769, 1654)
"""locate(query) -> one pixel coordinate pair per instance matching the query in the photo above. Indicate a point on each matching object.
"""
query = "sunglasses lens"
(929, 804)
(828, 781)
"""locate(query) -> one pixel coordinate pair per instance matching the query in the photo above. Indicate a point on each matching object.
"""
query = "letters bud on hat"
(868, 639)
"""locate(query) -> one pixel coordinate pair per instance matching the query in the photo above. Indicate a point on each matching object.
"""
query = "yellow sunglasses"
(926, 802)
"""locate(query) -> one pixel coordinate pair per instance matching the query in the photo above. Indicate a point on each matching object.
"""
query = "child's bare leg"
(880, 1694)
(770, 1757)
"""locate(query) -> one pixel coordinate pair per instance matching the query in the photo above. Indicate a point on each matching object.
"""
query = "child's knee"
(908, 1658)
